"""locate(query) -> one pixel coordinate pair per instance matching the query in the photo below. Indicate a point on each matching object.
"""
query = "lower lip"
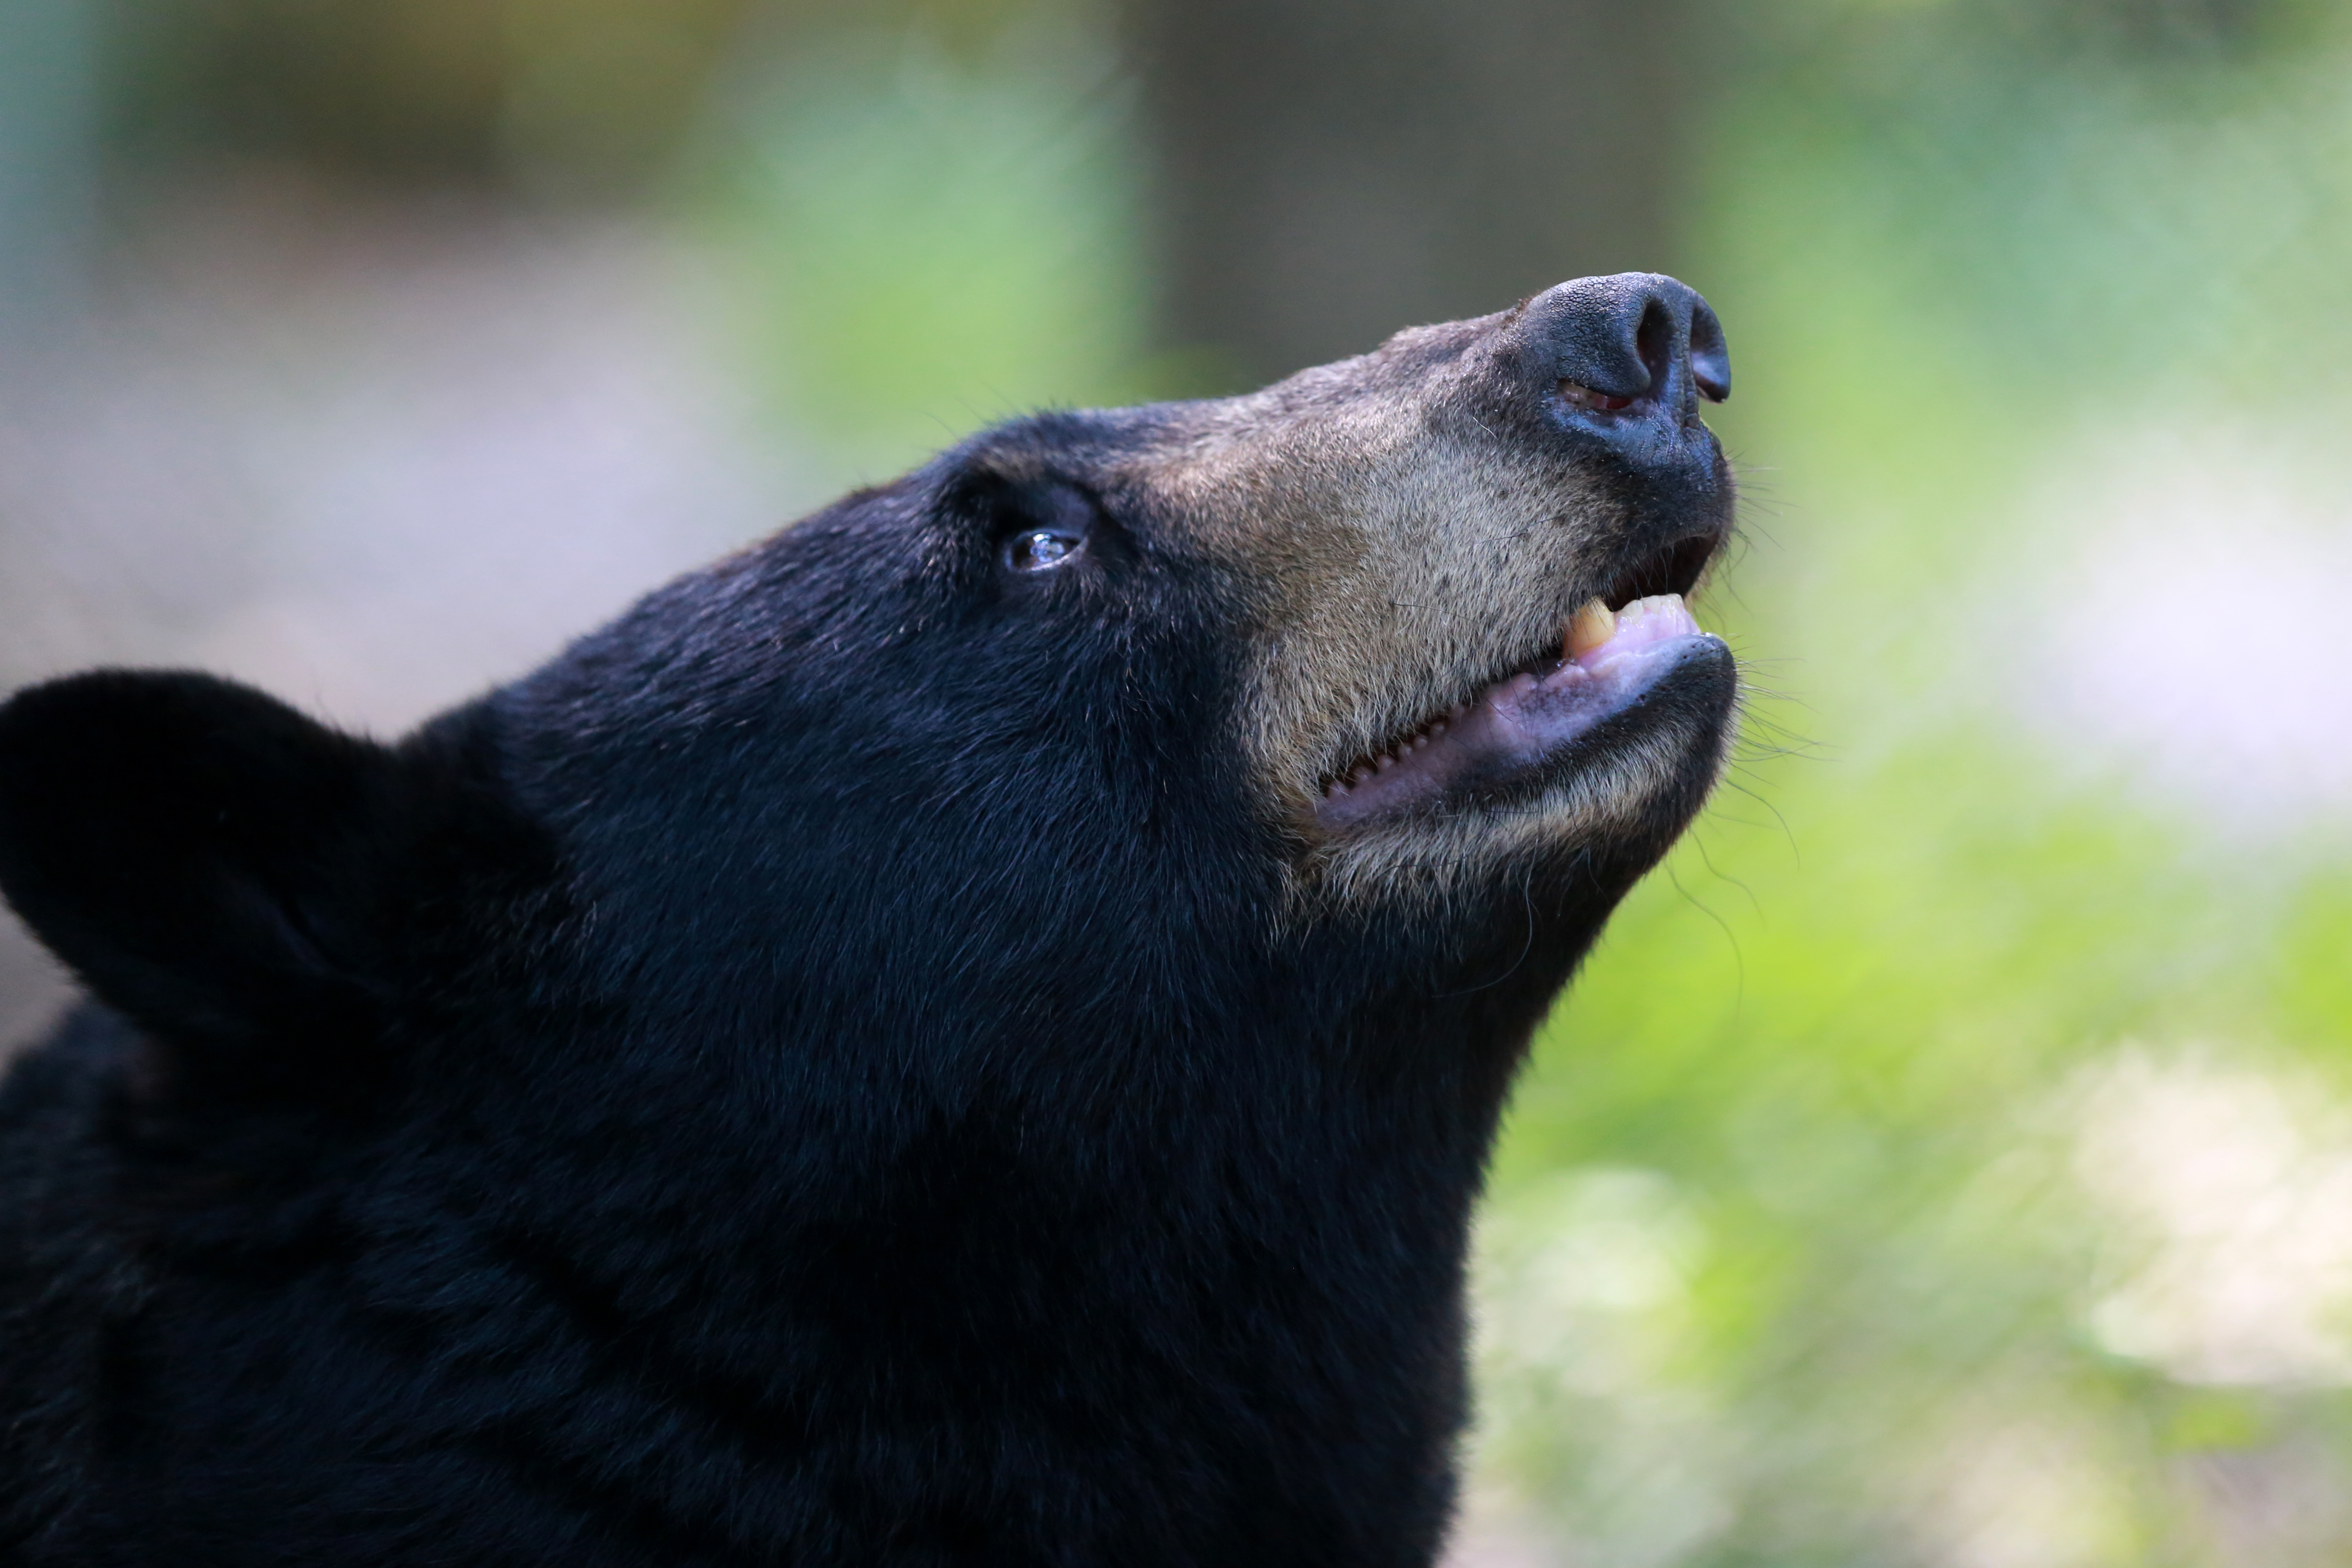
(1521, 722)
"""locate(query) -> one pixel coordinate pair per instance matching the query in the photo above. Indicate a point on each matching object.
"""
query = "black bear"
(966, 1033)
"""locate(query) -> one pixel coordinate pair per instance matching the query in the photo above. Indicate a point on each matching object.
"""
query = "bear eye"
(1041, 548)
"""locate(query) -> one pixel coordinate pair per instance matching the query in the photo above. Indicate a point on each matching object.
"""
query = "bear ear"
(202, 856)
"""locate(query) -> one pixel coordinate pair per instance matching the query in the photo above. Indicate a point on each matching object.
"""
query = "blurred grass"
(1847, 1042)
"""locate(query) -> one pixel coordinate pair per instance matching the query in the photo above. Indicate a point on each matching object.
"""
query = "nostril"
(1655, 340)
(1711, 358)
(1576, 394)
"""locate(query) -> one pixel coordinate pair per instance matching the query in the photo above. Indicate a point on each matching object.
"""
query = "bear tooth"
(1588, 628)
(1383, 762)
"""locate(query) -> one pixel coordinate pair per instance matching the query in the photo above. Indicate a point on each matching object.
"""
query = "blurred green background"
(1946, 1157)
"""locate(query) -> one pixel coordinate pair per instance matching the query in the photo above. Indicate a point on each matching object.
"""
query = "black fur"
(818, 1074)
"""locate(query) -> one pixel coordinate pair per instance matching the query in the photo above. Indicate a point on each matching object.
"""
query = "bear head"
(1046, 939)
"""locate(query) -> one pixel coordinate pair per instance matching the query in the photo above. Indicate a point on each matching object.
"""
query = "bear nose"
(1629, 344)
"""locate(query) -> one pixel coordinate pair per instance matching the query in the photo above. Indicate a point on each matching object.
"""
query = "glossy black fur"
(816, 1074)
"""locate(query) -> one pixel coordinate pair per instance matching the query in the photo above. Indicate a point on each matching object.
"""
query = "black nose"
(1634, 342)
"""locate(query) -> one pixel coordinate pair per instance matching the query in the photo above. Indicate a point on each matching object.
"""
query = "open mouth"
(1611, 654)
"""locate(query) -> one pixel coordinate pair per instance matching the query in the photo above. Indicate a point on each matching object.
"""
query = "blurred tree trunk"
(1332, 170)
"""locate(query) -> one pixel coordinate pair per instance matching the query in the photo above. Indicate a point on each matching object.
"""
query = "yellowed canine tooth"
(1592, 626)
